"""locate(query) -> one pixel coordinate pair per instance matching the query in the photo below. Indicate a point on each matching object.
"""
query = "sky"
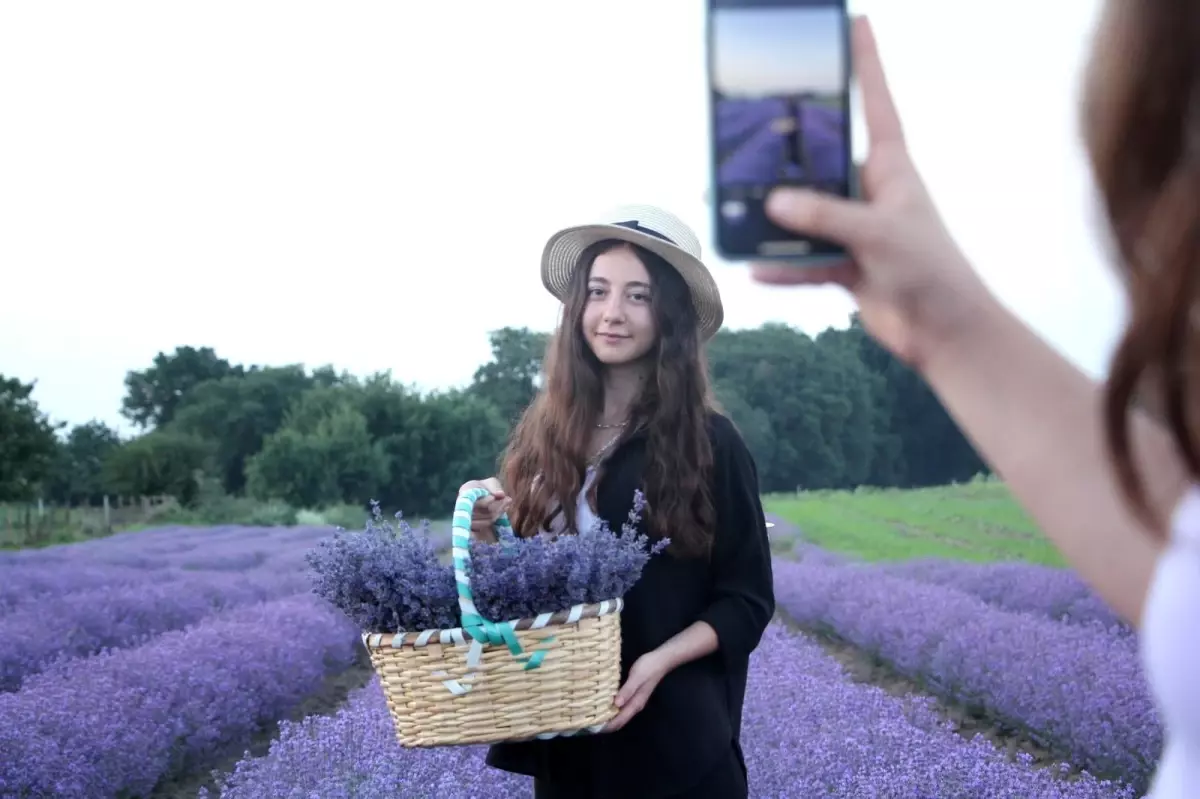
(763, 51)
(369, 185)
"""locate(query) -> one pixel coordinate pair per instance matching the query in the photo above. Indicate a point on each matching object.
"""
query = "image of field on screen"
(779, 102)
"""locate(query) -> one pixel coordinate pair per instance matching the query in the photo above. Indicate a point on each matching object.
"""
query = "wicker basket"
(488, 682)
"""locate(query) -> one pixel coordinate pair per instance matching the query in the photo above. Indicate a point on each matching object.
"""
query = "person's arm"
(743, 589)
(1038, 420)
(743, 593)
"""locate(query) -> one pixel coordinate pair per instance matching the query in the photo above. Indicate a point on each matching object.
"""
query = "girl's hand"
(644, 676)
(487, 509)
(912, 283)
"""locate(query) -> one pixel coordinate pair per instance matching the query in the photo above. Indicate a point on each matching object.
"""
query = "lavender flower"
(386, 580)
(808, 731)
(83, 623)
(1074, 688)
(116, 724)
(1023, 587)
(546, 573)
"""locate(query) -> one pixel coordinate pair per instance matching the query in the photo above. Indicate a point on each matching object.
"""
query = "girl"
(1108, 471)
(626, 406)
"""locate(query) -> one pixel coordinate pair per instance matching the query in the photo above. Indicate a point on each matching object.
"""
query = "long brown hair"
(552, 436)
(1143, 131)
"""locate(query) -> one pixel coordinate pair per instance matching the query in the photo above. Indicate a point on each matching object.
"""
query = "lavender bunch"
(389, 581)
(384, 579)
(520, 578)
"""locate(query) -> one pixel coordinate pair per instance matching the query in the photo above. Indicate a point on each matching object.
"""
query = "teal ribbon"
(473, 623)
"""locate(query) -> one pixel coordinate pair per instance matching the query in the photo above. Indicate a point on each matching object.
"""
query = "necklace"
(595, 459)
(617, 425)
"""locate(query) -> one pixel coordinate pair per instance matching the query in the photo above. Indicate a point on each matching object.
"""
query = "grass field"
(977, 521)
(958, 662)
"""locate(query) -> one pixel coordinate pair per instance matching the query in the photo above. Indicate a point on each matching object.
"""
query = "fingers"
(631, 698)
(628, 691)
(491, 485)
(630, 709)
(488, 509)
(821, 215)
(883, 121)
(842, 273)
(621, 719)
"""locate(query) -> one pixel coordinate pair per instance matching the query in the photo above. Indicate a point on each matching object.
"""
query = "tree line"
(831, 411)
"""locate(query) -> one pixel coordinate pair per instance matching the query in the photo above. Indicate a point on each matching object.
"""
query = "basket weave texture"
(491, 682)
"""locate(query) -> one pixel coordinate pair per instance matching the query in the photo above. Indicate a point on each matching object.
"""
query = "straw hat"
(657, 230)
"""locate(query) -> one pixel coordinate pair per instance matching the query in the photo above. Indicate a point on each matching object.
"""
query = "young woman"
(1108, 471)
(626, 406)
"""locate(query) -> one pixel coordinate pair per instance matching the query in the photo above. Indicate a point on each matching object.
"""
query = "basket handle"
(474, 624)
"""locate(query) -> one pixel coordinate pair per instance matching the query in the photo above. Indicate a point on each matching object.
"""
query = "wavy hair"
(1143, 134)
(546, 459)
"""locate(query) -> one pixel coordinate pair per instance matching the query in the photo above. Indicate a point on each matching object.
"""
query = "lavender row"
(118, 723)
(148, 558)
(83, 623)
(1047, 591)
(1076, 688)
(808, 731)
(29, 585)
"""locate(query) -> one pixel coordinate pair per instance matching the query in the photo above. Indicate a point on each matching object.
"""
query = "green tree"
(153, 395)
(237, 413)
(322, 455)
(159, 463)
(832, 411)
(462, 438)
(27, 441)
(510, 380)
(77, 476)
(753, 423)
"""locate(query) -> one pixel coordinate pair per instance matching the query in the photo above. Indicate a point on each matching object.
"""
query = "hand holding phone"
(779, 83)
(913, 284)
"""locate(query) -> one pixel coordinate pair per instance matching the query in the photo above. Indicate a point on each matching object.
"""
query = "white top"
(585, 517)
(1170, 649)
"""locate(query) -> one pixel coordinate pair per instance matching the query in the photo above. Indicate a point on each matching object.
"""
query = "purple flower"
(808, 731)
(1077, 689)
(82, 623)
(115, 724)
(388, 580)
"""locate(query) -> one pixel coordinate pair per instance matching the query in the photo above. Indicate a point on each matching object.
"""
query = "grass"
(22, 526)
(976, 521)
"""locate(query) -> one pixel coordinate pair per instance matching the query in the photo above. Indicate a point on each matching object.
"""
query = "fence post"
(107, 516)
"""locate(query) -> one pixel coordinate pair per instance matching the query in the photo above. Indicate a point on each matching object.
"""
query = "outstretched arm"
(1038, 420)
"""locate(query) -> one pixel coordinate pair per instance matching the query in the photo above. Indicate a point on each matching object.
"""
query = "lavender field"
(763, 141)
(141, 664)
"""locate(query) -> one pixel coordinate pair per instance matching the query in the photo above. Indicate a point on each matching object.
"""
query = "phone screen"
(778, 74)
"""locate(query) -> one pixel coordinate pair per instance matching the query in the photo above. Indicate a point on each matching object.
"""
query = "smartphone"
(779, 115)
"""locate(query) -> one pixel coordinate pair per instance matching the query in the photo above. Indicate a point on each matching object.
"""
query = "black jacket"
(694, 716)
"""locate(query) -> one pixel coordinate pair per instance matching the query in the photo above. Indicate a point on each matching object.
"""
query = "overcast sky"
(370, 184)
